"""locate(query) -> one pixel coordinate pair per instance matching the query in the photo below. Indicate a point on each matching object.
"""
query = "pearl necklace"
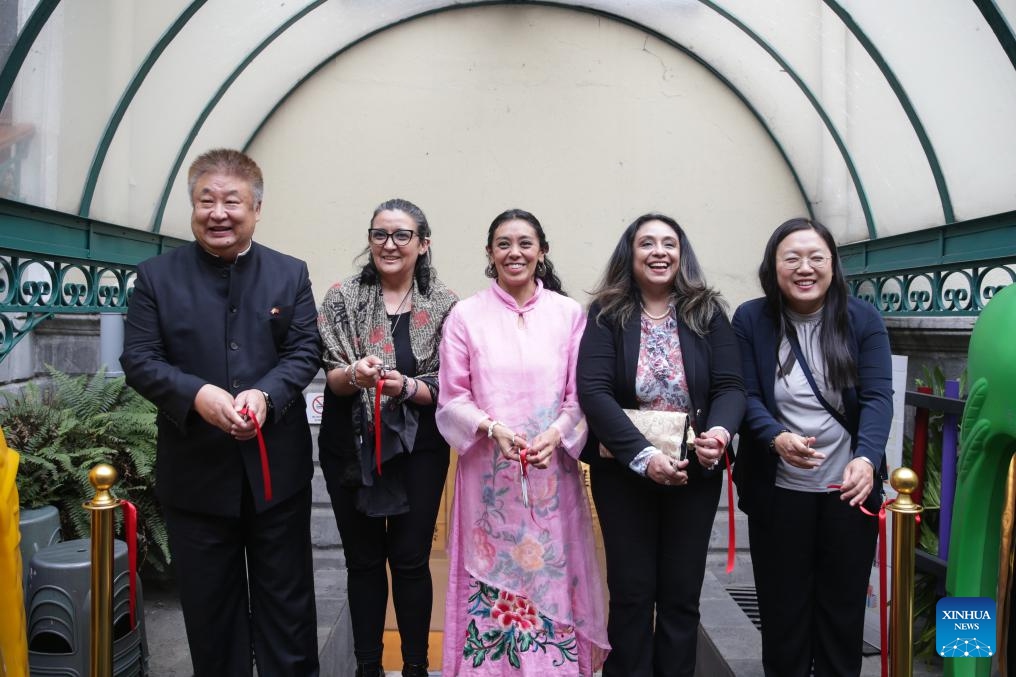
(656, 317)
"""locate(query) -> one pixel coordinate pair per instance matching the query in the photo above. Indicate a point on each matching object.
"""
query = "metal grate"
(745, 597)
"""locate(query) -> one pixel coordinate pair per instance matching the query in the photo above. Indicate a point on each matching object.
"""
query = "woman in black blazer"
(805, 464)
(656, 338)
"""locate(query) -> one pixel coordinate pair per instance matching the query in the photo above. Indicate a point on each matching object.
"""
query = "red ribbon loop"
(130, 527)
(266, 473)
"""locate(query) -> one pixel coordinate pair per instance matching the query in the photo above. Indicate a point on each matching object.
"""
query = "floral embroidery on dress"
(503, 625)
(660, 383)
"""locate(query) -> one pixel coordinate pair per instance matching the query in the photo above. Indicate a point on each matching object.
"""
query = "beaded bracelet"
(490, 428)
(404, 393)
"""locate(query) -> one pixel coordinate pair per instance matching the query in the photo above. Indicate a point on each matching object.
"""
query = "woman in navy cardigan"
(657, 337)
(817, 369)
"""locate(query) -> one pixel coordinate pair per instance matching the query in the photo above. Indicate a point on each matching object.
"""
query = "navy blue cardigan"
(868, 405)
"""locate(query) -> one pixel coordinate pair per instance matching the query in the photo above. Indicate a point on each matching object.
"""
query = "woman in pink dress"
(524, 592)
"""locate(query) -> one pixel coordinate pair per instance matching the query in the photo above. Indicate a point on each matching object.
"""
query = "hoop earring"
(490, 271)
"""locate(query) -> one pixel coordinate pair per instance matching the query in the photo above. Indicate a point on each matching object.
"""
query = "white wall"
(583, 121)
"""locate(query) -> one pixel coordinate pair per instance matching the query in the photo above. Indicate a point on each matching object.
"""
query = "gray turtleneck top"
(802, 413)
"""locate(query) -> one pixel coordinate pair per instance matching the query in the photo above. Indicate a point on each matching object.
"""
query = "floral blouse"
(660, 382)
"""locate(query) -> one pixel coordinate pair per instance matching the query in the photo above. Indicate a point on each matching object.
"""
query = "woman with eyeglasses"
(380, 329)
(817, 369)
(524, 593)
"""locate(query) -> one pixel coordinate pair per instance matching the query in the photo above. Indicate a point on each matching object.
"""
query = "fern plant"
(64, 430)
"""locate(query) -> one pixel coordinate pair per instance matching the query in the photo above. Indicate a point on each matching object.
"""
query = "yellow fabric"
(13, 641)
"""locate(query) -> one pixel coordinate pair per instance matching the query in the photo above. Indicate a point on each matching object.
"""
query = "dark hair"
(424, 270)
(619, 295)
(545, 272)
(841, 369)
(229, 162)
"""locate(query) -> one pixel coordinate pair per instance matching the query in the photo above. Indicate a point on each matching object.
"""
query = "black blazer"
(868, 406)
(194, 319)
(607, 362)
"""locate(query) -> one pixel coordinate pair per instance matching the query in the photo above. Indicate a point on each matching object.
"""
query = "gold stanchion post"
(102, 477)
(901, 605)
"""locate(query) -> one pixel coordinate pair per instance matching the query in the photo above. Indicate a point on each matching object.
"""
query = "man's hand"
(217, 407)
(254, 402)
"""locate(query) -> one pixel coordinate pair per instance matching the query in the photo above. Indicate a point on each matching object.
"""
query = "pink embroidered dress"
(524, 592)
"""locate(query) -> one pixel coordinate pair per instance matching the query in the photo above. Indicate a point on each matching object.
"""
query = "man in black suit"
(221, 333)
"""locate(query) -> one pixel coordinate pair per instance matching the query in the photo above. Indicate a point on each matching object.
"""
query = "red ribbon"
(266, 473)
(377, 427)
(731, 531)
(130, 527)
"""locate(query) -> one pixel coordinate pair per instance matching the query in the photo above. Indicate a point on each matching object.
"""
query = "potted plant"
(62, 431)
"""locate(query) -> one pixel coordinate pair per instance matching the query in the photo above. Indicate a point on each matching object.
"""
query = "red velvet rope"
(266, 473)
(130, 527)
(377, 427)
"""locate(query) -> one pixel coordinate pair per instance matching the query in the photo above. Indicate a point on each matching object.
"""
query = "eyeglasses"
(815, 261)
(400, 237)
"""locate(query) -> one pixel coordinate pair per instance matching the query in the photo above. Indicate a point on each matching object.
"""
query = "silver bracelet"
(490, 428)
(351, 373)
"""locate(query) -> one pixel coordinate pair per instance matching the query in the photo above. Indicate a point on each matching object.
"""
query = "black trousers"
(247, 584)
(655, 539)
(811, 563)
(404, 542)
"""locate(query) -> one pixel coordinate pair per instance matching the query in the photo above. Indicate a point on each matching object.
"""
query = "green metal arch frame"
(40, 16)
(830, 127)
(621, 19)
(901, 95)
(125, 101)
(30, 31)
(1000, 27)
(161, 209)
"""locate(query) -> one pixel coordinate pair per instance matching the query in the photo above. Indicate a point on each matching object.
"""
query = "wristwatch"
(269, 407)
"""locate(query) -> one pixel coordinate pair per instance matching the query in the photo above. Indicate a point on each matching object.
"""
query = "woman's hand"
(858, 480)
(543, 446)
(392, 383)
(367, 372)
(709, 447)
(796, 450)
(509, 442)
(664, 470)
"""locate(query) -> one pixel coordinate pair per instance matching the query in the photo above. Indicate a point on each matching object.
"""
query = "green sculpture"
(987, 443)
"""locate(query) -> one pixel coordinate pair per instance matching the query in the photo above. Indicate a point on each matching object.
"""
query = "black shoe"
(370, 670)
(411, 670)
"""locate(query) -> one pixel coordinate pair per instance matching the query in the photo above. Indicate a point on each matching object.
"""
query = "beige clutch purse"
(668, 431)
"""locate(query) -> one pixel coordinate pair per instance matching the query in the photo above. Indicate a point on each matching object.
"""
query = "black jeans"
(218, 559)
(655, 539)
(811, 563)
(404, 542)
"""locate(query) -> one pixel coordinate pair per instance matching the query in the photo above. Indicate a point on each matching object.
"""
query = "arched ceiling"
(892, 117)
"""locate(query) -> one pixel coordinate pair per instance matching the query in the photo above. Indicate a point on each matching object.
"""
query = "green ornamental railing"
(949, 271)
(54, 263)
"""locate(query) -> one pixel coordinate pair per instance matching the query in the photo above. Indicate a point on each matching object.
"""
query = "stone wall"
(931, 342)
